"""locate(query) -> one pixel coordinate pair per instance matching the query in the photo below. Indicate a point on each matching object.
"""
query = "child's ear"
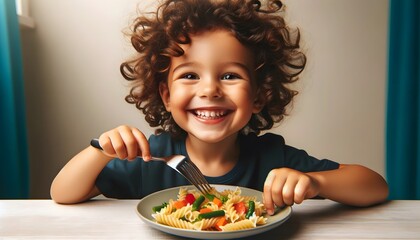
(164, 94)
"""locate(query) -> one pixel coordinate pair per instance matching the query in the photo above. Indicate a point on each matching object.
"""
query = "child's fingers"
(106, 144)
(288, 191)
(277, 188)
(130, 142)
(109, 144)
(118, 144)
(142, 143)
(267, 194)
(125, 142)
(301, 190)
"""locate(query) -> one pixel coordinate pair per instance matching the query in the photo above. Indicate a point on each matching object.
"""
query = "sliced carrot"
(221, 222)
(218, 202)
(180, 204)
(205, 210)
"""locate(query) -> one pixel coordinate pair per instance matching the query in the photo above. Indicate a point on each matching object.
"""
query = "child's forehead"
(214, 51)
(216, 42)
(217, 37)
(212, 32)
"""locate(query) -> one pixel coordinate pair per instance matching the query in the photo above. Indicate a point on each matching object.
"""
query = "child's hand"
(125, 142)
(285, 186)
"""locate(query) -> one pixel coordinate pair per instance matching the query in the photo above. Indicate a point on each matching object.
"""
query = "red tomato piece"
(240, 207)
(190, 198)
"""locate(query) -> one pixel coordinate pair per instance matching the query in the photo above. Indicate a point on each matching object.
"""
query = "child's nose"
(210, 88)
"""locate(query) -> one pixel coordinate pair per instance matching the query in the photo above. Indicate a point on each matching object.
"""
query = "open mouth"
(210, 114)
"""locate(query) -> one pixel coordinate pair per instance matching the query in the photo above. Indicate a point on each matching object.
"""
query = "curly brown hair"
(157, 37)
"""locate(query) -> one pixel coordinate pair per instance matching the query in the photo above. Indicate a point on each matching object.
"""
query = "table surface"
(117, 219)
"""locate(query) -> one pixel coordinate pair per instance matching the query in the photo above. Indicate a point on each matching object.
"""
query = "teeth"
(210, 114)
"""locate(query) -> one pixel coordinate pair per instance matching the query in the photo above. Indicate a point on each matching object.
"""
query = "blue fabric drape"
(403, 107)
(13, 142)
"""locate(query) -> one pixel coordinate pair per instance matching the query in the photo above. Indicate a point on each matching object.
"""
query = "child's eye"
(191, 76)
(230, 76)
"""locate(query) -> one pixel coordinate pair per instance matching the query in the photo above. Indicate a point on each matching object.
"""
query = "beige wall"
(74, 90)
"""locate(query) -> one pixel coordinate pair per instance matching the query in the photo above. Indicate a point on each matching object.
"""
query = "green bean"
(251, 209)
(197, 203)
(210, 196)
(217, 213)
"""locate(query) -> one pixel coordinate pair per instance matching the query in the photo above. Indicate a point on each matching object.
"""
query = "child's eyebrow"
(238, 64)
(247, 68)
(241, 65)
(186, 64)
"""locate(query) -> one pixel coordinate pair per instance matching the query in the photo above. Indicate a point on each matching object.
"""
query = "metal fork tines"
(191, 172)
(181, 164)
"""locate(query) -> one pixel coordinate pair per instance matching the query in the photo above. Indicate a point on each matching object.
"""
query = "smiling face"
(210, 90)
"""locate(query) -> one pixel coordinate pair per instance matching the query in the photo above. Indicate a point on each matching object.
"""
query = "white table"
(117, 219)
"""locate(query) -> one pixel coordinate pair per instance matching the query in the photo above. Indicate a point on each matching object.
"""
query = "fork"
(182, 165)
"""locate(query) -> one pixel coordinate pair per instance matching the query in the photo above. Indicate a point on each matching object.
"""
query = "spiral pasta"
(219, 211)
(173, 221)
(182, 194)
(241, 225)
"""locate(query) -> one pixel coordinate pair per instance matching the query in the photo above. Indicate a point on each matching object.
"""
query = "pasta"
(218, 211)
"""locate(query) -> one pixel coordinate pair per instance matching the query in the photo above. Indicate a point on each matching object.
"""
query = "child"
(213, 75)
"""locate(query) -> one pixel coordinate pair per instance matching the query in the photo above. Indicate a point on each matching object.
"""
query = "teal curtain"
(13, 142)
(403, 107)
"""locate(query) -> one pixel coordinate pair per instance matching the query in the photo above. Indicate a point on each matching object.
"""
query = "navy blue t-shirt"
(258, 156)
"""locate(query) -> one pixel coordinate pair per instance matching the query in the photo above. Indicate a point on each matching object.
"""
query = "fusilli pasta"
(219, 211)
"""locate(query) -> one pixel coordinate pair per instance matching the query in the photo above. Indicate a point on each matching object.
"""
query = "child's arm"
(76, 181)
(350, 184)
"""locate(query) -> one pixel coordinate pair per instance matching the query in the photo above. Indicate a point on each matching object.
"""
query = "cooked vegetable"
(205, 210)
(224, 198)
(197, 203)
(158, 208)
(218, 202)
(251, 209)
(240, 207)
(221, 222)
(217, 213)
(190, 198)
(180, 204)
(210, 196)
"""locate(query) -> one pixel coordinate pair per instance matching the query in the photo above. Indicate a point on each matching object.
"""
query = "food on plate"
(217, 211)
